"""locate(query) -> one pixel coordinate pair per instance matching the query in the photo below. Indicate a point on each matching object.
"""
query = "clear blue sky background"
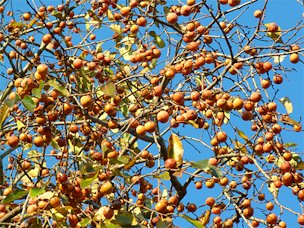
(286, 13)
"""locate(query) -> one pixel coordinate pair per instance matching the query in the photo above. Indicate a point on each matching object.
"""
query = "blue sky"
(286, 14)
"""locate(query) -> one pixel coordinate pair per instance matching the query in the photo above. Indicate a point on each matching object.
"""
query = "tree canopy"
(149, 113)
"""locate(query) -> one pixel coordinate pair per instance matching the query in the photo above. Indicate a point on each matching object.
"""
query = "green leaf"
(37, 91)
(153, 63)
(16, 24)
(57, 14)
(175, 149)
(54, 144)
(4, 112)
(276, 36)
(124, 110)
(10, 103)
(17, 194)
(61, 89)
(87, 182)
(161, 224)
(194, 222)
(110, 225)
(123, 159)
(241, 134)
(84, 81)
(109, 89)
(157, 39)
(159, 42)
(98, 47)
(300, 166)
(287, 104)
(28, 103)
(85, 222)
(145, 70)
(57, 214)
(164, 176)
(204, 165)
(124, 219)
(36, 192)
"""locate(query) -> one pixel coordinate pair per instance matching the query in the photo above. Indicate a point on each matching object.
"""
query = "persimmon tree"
(125, 113)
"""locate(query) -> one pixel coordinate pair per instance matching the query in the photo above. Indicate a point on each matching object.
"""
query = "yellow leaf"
(4, 112)
(241, 134)
(193, 123)
(32, 22)
(205, 218)
(20, 125)
(175, 149)
(110, 15)
(287, 104)
(276, 36)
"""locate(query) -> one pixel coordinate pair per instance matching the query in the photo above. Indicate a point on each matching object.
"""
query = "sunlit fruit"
(248, 212)
(55, 201)
(170, 163)
(13, 141)
(195, 95)
(31, 209)
(172, 18)
(108, 212)
(47, 38)
(269, 206)
(38, 141)
(125, 10)
(173, 200)
(221, 136)
(178, 97)
(267, 66)
(237, 103)
(86, 101)
(161, 206)
(42, 69)
(265, 83)
(191, 207)
(271, 219)
(163, 116)
(301, 219)
(294, 58)
(106, 188)
(198, 185)
(210, 201)
(77, 63)
(258, 13)
(256, 96)
(272, 27)
(140, 130)
(7, 191)
(150, 126)
(234, 2)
